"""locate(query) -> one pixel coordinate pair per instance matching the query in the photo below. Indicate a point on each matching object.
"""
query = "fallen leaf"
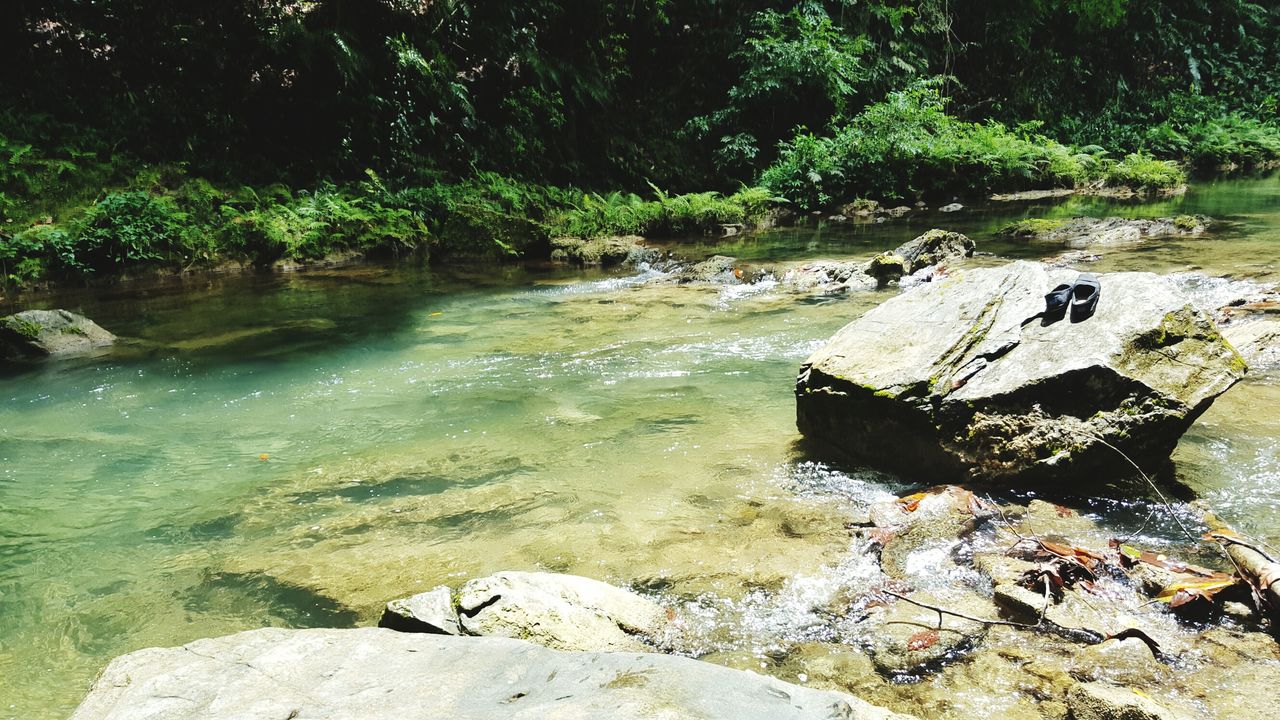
(1084, 556)
(1181, 593)
(911, 502)
(922, 640)
(1134, 555)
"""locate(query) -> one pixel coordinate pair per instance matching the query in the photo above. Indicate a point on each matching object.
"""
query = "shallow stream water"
(295, 450)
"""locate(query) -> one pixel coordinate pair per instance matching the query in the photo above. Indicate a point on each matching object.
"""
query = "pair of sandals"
(1081, 297)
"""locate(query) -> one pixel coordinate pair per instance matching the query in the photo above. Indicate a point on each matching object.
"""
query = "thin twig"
(1141, 527)
(1164, 501)
(944, 611)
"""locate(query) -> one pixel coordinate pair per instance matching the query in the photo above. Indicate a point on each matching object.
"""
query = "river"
(296, 449)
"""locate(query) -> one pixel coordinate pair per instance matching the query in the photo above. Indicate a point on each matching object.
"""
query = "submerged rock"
(50, 333)
(966, 378)
(1100, 701)
(377, 674)
(1087, 232)
(564, 612)
(914, 638)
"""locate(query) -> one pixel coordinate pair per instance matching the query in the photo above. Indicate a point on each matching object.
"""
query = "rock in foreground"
(964, 378)
(378, 674)
(45, 333)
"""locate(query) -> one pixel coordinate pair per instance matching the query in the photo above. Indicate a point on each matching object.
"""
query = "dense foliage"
(475, 119)
(685, 93)
(909, 146)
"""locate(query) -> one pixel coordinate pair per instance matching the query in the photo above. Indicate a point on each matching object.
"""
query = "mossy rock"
(47, 333)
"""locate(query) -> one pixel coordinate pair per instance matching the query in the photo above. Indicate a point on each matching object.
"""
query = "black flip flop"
(1084, 297)
(1056, 302)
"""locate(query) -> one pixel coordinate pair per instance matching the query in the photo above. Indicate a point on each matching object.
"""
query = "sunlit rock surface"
(966, 377)
(1089, 232)
(564, 612)
(377, 674)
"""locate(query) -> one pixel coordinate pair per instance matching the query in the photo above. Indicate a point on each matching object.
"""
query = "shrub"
(127, 228)
(1140, 170)
(908, 145)
(595, 215)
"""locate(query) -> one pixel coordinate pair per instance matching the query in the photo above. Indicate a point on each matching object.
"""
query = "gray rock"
(828, 275)
(887, 268)
(715, 269)
(564, 612)
(1032, 195)
(378, 674)
(50, 333)
(1019, 600)
(952, 207)
(605, 251)
(428, 612)
(897, 212)
(1258, 341)
(1087, 232)
(962, 377)
(1100, 701)
(930, 249)
(933, 248)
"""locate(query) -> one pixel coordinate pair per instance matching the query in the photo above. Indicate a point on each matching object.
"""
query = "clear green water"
(425, 427)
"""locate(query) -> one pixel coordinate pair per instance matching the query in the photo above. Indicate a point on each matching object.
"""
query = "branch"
(943, 611)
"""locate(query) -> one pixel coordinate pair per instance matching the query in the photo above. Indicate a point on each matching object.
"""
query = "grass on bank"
(161, 218)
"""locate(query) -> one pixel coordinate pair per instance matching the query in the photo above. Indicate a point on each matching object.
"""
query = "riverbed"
(296, 449)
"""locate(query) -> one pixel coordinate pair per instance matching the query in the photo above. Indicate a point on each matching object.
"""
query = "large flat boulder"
(46, 333)
(1088, 232)
(964, 378)
(379, 674)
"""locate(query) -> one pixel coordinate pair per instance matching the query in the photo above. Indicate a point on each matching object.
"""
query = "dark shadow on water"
(215, 529)
(408, 486)
(294, 606)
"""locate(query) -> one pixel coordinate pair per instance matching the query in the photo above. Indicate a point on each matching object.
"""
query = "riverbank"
(77, 216)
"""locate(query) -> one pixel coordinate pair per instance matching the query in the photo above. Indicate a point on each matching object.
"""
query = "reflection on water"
(424, 427)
